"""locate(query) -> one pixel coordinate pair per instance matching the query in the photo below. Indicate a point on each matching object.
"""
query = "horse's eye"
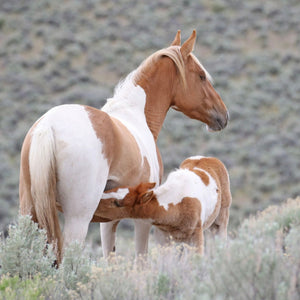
(203, 77)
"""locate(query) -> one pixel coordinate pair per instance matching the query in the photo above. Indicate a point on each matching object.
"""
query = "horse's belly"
(129, 173)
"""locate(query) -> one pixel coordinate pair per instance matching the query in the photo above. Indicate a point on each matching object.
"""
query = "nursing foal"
(195, 197)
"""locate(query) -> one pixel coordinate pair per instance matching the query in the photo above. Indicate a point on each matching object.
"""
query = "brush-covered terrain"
(261, 262)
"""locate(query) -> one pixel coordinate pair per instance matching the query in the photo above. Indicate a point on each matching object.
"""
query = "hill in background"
(56, 52)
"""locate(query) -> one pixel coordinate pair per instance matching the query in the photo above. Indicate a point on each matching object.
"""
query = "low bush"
(261, 262)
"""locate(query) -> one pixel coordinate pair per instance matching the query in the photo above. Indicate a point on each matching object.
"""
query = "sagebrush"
(261, 262)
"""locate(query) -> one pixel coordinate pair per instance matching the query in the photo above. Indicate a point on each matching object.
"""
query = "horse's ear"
(146, 197)
(188, 45)
(177, 40)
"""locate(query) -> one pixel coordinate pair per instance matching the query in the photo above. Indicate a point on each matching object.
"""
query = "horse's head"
(193, 93)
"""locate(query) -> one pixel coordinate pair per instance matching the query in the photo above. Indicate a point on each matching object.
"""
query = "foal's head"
(139, 194)
(194, 94)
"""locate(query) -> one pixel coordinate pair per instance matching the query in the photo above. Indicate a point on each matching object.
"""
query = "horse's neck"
(128, 101)
(158, 91)
(142, 104)
(129, 108)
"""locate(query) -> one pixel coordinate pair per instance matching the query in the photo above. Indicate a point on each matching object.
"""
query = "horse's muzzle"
(219, 122)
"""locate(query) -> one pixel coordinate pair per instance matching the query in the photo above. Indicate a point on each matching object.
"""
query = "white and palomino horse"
(194, 198)
(74, 152)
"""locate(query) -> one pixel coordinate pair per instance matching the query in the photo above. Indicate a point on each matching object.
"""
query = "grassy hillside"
(55, 52)
(261, 262)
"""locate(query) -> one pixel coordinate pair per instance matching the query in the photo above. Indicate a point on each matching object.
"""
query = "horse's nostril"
(222, 122)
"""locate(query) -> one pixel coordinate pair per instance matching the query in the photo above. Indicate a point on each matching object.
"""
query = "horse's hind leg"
(78, 212)
(79, 193)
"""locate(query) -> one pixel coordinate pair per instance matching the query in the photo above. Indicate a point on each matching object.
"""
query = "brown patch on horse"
(102, 125)
(124, 165)
(218, 172)
(111, 209)
(160, 164)
(204, 177)
(181, 221)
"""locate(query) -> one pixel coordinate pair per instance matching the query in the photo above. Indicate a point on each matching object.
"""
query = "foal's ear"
(146, 197)
(188, 45)
(145, 186)
(177, 39)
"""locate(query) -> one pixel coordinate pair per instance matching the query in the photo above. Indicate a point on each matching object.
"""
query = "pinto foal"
(195, 197)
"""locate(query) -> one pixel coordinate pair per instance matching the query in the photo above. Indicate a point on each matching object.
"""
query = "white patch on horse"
(209, 196)
(196, 157)
(81, 166)
(128, 106)
(179, 184)
(185, 183)
(119, 194)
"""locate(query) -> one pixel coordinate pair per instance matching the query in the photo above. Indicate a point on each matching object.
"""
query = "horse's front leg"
(108, 237)
(142, 230)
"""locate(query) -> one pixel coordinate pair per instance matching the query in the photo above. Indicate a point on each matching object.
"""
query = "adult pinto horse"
(73, 153)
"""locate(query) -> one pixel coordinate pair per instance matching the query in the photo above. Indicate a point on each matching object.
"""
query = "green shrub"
(273, 219)
(29, 289)
(25, 252)
(75, 266)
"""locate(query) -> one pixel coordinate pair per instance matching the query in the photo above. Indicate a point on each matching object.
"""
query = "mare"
(73, 153)
(194, 198)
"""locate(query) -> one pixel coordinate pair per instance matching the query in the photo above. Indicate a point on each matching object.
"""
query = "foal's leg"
(108, 237)
(197, 240)
(221, 222)
(161, 237)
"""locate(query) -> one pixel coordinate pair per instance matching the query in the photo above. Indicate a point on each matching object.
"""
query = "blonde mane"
(173, 53)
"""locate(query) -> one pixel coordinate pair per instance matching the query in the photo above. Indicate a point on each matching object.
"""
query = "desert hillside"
(56, 52)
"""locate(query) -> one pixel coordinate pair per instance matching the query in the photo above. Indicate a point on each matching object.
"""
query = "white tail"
(42, 170)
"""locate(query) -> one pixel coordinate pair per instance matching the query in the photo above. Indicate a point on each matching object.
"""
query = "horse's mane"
(173, 53)
(125, 86)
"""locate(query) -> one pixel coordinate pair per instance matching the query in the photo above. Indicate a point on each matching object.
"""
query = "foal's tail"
(42, 170)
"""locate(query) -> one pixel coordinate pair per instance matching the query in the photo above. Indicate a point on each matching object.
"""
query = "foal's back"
(215, 168)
